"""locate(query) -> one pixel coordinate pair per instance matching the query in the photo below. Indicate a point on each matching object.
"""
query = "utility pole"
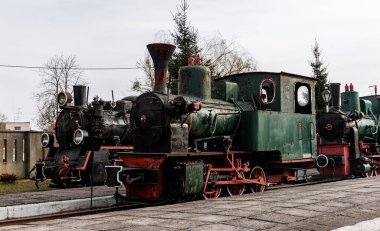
(16, 117)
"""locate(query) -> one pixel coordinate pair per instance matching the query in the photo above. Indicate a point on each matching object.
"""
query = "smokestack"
(335, 95)
(160, 53)
(80, 96)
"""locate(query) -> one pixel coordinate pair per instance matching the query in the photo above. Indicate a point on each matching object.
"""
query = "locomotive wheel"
(62, 171)
(212, 191)
(377, 171)
(215, 193)
(368, 174)
(259, 174)
(374, 172)
(235, 189)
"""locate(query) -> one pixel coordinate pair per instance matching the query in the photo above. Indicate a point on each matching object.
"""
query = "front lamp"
(326, 95)
(79, 136)
(47, 140)
(64, 98)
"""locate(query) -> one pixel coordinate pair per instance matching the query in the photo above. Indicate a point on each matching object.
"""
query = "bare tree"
(60, 73)
(3, 117)
(146, 66)
(222, 56)
(226, 57)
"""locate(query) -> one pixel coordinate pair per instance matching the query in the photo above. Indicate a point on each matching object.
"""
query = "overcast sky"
(278, 34)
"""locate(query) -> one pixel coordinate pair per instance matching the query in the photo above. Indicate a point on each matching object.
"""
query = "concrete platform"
(53, 201)
(315, 207)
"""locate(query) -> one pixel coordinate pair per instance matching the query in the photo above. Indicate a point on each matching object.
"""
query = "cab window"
(302, 98)
(267, 90)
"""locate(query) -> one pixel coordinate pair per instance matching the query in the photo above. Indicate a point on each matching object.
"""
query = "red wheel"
(258, 173)
(235, 189)
(212, 191)
(215, 193)
(368, 174)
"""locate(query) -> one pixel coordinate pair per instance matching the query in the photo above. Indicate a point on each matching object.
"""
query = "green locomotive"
(241, 131)
(349, 135)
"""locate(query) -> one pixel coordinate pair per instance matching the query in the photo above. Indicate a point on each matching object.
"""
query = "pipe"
(160, 53)
(80, 95)
(335, 95)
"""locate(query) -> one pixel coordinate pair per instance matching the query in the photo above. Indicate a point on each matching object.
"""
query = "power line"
(75, 68)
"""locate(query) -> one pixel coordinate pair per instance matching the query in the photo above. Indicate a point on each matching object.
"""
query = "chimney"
(335, 95)
(80, 96)
(160, 53)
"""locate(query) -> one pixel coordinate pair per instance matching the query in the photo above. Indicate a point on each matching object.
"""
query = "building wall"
(22, 149)
(15, 126)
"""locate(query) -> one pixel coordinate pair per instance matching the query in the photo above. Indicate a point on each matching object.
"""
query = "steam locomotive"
(87, 136)
(349, 135)
(241, 131)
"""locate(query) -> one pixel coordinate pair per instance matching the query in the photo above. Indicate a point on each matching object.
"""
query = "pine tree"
(319, 72)
(185, 37)
(222, 56)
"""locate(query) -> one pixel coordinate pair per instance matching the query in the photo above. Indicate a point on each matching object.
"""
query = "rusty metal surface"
(160, 53)
(195, 81)
(224, 90)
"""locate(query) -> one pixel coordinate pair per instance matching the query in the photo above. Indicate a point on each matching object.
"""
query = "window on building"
(15, 151)
(5, 151)
(23, 150)
(17, 128)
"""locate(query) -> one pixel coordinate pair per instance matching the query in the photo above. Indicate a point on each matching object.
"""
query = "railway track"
(320, 181)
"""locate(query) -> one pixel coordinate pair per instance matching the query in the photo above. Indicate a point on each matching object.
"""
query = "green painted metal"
(367, 128)
(285, 136)
(195, 81)
(284, 89)
(366, 107)
(249, 88)
(350, 101)
(375, 103)
(224, 90)
(216, 118)
(193, 173)
(276, 130)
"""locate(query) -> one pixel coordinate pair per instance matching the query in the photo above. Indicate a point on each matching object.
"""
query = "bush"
(7, 178)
